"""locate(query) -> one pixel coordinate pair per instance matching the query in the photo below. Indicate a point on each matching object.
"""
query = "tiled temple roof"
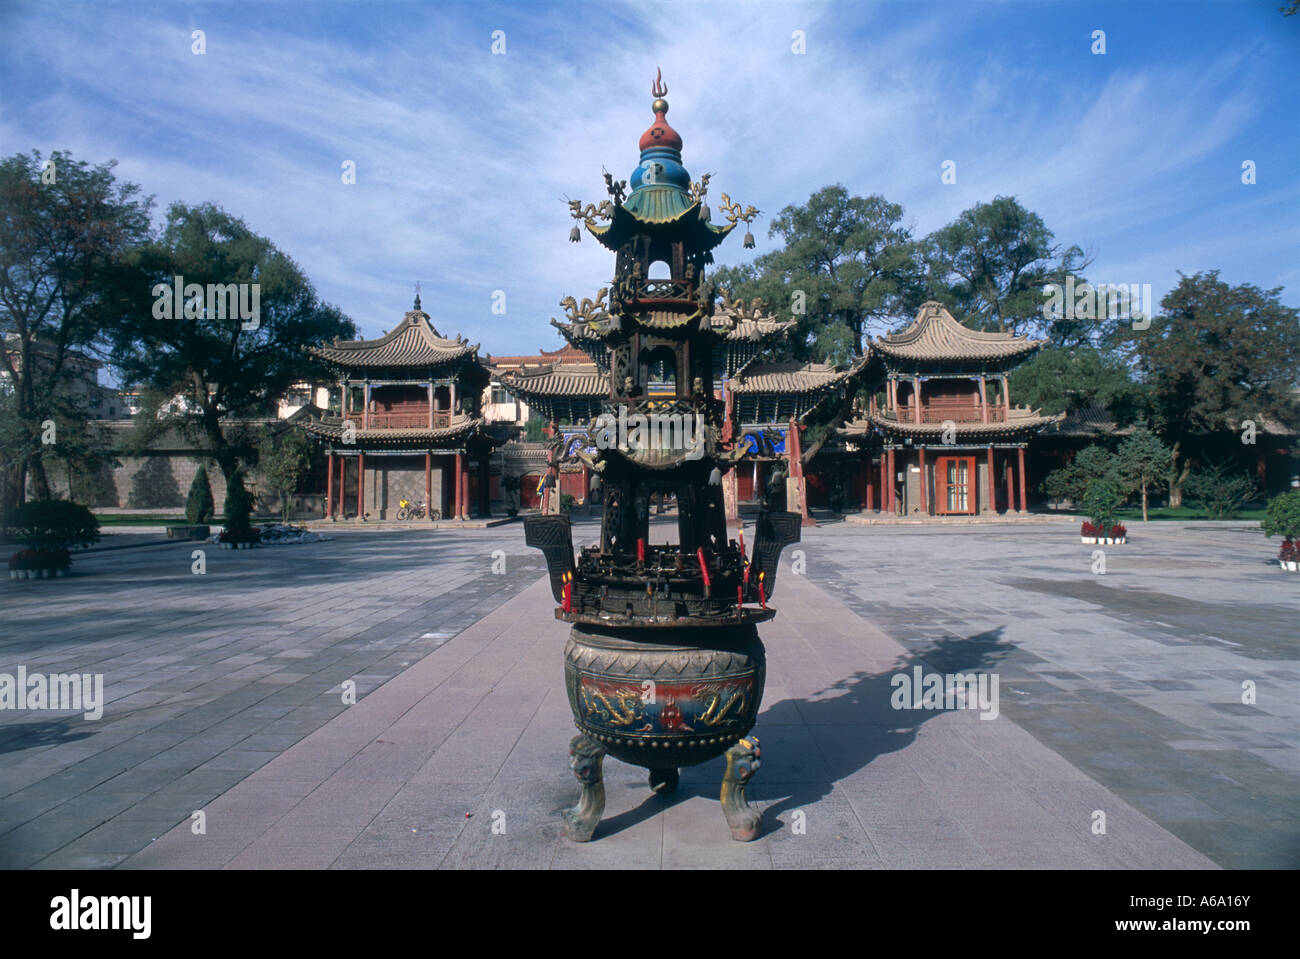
(1021, 420)
(412, 343)
(936, 335)
(793, 377)
(556, 380)
(331, 428)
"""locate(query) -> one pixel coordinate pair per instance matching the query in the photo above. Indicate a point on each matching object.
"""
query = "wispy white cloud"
(463, 157)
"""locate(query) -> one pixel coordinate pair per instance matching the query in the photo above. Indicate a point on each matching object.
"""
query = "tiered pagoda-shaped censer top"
(661, 430)
(663, 666)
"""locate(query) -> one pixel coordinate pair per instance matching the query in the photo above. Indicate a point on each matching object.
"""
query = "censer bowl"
(665, 699)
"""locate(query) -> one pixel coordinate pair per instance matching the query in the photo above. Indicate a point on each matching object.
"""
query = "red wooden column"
(916, 399)
(984, 404)
(925, 507)
(329, 485)
(456, 495)
(1023, 499)
(428, 482)
(866, 484)
(361, 487)
(343, 476)
(464, 494)
(1011, 493)
(884, 496)
(889, 484)
(991, 485)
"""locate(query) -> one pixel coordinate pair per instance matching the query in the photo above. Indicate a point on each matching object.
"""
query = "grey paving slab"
(454, 754)
(218, 674)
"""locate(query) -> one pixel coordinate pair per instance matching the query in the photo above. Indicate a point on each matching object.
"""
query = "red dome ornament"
(660, 133)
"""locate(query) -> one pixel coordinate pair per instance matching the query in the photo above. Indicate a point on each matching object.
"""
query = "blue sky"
(464, 158)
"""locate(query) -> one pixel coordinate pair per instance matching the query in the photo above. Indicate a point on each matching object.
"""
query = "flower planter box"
(188, 532)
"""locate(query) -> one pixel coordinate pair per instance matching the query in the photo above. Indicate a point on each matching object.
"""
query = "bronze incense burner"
(663, 667)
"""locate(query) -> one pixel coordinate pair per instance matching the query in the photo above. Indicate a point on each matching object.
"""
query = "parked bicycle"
(406, 511)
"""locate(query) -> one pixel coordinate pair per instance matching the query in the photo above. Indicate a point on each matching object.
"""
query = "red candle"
(762, 595)
(640, 551)
(744, 560)
(740, 596)
(568, 592)
(704, 572)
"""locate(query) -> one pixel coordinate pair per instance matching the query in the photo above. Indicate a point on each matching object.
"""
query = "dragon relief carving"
(719, 710)
(622, 707)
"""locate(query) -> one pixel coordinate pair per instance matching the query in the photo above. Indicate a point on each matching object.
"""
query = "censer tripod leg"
(586, 758)
(663, 781)
(742, 763)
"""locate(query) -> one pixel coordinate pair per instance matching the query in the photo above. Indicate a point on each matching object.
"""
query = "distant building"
(409, 424)
(948, 440)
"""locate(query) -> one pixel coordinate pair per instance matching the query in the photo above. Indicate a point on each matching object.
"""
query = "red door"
(954, 485)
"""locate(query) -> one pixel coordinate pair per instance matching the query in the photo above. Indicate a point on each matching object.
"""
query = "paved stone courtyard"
(1119, 693)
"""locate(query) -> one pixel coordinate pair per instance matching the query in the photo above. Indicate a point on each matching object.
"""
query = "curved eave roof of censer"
(738, 328)
(413, 344)
(556, 380)
(664, 207)
(935, 336)
(794, 377)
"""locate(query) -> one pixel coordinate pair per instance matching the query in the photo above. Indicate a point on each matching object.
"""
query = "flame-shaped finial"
(659, 89)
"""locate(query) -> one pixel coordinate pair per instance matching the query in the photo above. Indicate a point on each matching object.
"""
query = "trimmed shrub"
(55, 524)
(239, 503)
(199, 505)
(1283, 516)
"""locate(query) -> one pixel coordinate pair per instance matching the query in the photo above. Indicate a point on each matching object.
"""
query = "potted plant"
(50, 529)
(1101, 502)
(1283, 519)
(1119, 533)
(1087, 533)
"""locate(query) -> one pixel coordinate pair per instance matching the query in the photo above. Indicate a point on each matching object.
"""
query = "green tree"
(1066, 380)
(845, 264)
(1071, 481)
(990, 265)
(533, 429)
(1283, 516)
(1215, 357)
(1220, 490)
(284, 459)
(199, 373)
(64, 228)
(1141, 463)
(199, 504)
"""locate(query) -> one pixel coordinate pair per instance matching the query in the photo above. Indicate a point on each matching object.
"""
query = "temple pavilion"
(407, 423)
(947, 440)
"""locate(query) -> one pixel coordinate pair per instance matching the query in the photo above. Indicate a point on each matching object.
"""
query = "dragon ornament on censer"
(663, 667)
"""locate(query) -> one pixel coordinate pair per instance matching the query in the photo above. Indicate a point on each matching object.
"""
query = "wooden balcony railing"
(404, 420)
(963, 413)
(663, 290)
